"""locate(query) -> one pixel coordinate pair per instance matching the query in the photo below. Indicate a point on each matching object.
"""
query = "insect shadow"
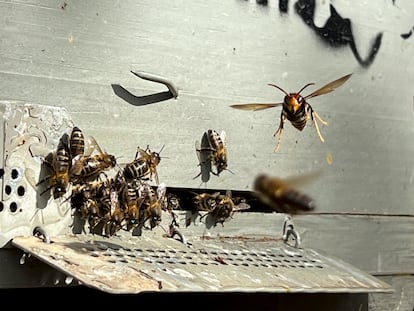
(42, 195)
(203, 151)
(134, 100)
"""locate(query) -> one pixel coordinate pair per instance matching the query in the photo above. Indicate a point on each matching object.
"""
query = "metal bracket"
(147, 99)
(289, 231)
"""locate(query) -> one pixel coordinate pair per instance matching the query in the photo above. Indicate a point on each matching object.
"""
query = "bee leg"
(197, 176)
(313, 115)
(279, 132)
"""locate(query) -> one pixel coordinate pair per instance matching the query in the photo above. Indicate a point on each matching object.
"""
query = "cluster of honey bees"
(105, 195)
(110, 197)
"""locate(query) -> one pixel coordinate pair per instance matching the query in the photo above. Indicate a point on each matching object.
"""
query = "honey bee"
(149, 206)
(220, 207)
(144, 166)
(89, 167)
(205, 202)
(115, 216)
(60, 166)
(282, 194)
(91, 201)
(224, 208)
(295, 108)
(173, 202)
(130, 201)
(217, 149)
(113, 221)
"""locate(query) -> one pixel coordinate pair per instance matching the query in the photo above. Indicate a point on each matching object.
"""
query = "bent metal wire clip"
(147, 99)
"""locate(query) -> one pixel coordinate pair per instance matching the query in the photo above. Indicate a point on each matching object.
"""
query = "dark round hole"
(14, 173)
(1, 172)
(8, 189)
(21, 191)
(1, 206)
(13, 207)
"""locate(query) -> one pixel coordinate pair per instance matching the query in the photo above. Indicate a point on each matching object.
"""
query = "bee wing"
(161, 190)
(223, 136)
(329, 87)
(301, 180)
(31, 177)
(157, 181)
(256, 106)
(91, 145)
(77, 165)
(141, 153)
(114, 201)
(198, 149)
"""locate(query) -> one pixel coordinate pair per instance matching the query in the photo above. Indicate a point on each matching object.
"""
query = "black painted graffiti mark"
(337, 30)
(283, 6)
(261, 2)
(407, 35)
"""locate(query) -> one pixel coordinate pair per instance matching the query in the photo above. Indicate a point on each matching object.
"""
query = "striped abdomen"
(77, 142)
(299, 118)
(137, 169)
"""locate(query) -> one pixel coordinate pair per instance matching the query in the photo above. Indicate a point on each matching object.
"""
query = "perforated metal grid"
(130, 264)
(275, 258)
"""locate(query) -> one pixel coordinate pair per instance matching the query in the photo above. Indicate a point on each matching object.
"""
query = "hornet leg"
(279, 132)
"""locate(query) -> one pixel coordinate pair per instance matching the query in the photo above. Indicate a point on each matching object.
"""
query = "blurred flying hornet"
(282, 194)
(295, 108)
(144, 166)
(88, 167)
(60, 166)
(217, 150)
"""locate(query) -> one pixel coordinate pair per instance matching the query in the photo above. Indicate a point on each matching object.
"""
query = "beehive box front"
(72, 56)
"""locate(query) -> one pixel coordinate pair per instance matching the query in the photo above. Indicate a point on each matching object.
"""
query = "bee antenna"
(161, 149)
(278, 87)
(229, 171)
(305, 87)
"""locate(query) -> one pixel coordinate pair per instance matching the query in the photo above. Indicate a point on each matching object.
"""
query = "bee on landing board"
(60, 167)
(295, 108)
(218, 206)
(216, 152)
